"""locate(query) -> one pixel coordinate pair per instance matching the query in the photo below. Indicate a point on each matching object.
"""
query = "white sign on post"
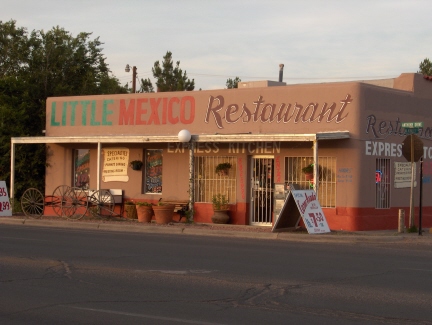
(403, 173)
(5, 207)
(311, 212)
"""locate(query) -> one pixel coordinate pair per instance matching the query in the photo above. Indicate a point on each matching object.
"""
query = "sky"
(317, 40)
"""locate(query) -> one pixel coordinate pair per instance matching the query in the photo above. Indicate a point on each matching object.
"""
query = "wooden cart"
(71, 202)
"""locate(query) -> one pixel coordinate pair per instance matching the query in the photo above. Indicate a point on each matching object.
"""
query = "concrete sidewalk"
(224, 230)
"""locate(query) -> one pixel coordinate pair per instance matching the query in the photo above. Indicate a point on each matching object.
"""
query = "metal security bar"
(207, 182)
(262, 191)
(382, 180)
(326, 177)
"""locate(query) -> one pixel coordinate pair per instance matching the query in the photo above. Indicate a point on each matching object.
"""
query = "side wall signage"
(382, 129)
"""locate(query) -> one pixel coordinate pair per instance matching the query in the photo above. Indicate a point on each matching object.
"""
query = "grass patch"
(412, 229)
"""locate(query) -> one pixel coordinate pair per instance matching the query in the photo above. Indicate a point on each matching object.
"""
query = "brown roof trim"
(333, 135)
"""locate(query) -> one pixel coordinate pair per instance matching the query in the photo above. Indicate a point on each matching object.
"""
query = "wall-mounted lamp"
(185, 136)
(134, 75)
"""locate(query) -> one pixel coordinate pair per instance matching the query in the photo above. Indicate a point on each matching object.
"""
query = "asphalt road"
(70, 276)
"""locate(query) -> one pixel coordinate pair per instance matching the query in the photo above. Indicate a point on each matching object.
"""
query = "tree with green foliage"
(146, 86)
(232, 83)
(34, 66)
(426, 67)
(168, 77)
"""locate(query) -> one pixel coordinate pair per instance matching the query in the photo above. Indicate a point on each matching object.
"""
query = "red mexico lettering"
(157, 111)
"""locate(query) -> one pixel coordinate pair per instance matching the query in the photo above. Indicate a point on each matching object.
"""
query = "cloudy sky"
(317, 40)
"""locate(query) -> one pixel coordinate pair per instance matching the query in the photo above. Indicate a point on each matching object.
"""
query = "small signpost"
(412, 125)
(412, 150)
(402, 175)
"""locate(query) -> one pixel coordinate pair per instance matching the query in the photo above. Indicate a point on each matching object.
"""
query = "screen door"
(261, 190)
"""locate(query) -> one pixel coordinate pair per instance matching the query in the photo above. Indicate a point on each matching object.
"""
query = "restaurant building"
(267, 131)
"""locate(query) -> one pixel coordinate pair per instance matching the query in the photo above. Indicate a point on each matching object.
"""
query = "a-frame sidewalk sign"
(5, 206)
(292, 205)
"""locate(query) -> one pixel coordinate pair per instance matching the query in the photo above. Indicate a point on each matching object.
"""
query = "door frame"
(260, 190)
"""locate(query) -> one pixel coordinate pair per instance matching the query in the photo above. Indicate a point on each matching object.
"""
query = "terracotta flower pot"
(131, 212)
(145, 213)
(309, 176)
(220, 216)
(163, 213)
(223, 172)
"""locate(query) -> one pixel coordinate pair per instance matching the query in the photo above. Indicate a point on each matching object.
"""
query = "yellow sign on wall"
(115, 164)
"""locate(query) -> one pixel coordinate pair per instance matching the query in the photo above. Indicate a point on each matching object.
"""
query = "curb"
(221, 232)
(326, 238)
(229, 233)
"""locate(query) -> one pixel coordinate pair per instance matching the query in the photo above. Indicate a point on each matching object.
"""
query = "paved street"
(227, 230)
(79, 274)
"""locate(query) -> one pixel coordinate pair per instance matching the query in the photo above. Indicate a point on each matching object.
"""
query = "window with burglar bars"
(207, 182)
(382, 183)
(327, 177)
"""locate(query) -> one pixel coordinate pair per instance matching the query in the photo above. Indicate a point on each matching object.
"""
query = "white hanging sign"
(5, 207)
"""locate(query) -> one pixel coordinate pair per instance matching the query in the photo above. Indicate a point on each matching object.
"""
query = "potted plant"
(308, 171)
(130, 208)
(163, 213)
(220, 208)
(136, 164)
(223, 168)
(144, 211)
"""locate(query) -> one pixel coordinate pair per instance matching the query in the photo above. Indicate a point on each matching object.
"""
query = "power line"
(146, 74)
(289, 78)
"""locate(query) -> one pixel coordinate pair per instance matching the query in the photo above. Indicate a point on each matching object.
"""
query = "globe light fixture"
(184, 136)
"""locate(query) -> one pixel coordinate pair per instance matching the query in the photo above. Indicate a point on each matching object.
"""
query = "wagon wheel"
(101, 203)
(58, 197)
(32, 203)
(75, 203)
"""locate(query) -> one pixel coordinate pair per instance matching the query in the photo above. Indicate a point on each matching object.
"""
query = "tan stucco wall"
(205, 112)
(355, 105)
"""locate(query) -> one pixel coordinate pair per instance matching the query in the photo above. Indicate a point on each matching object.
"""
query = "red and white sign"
(5, 207)
(311, 212)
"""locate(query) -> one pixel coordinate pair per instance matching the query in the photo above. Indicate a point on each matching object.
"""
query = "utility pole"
(134, 76)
